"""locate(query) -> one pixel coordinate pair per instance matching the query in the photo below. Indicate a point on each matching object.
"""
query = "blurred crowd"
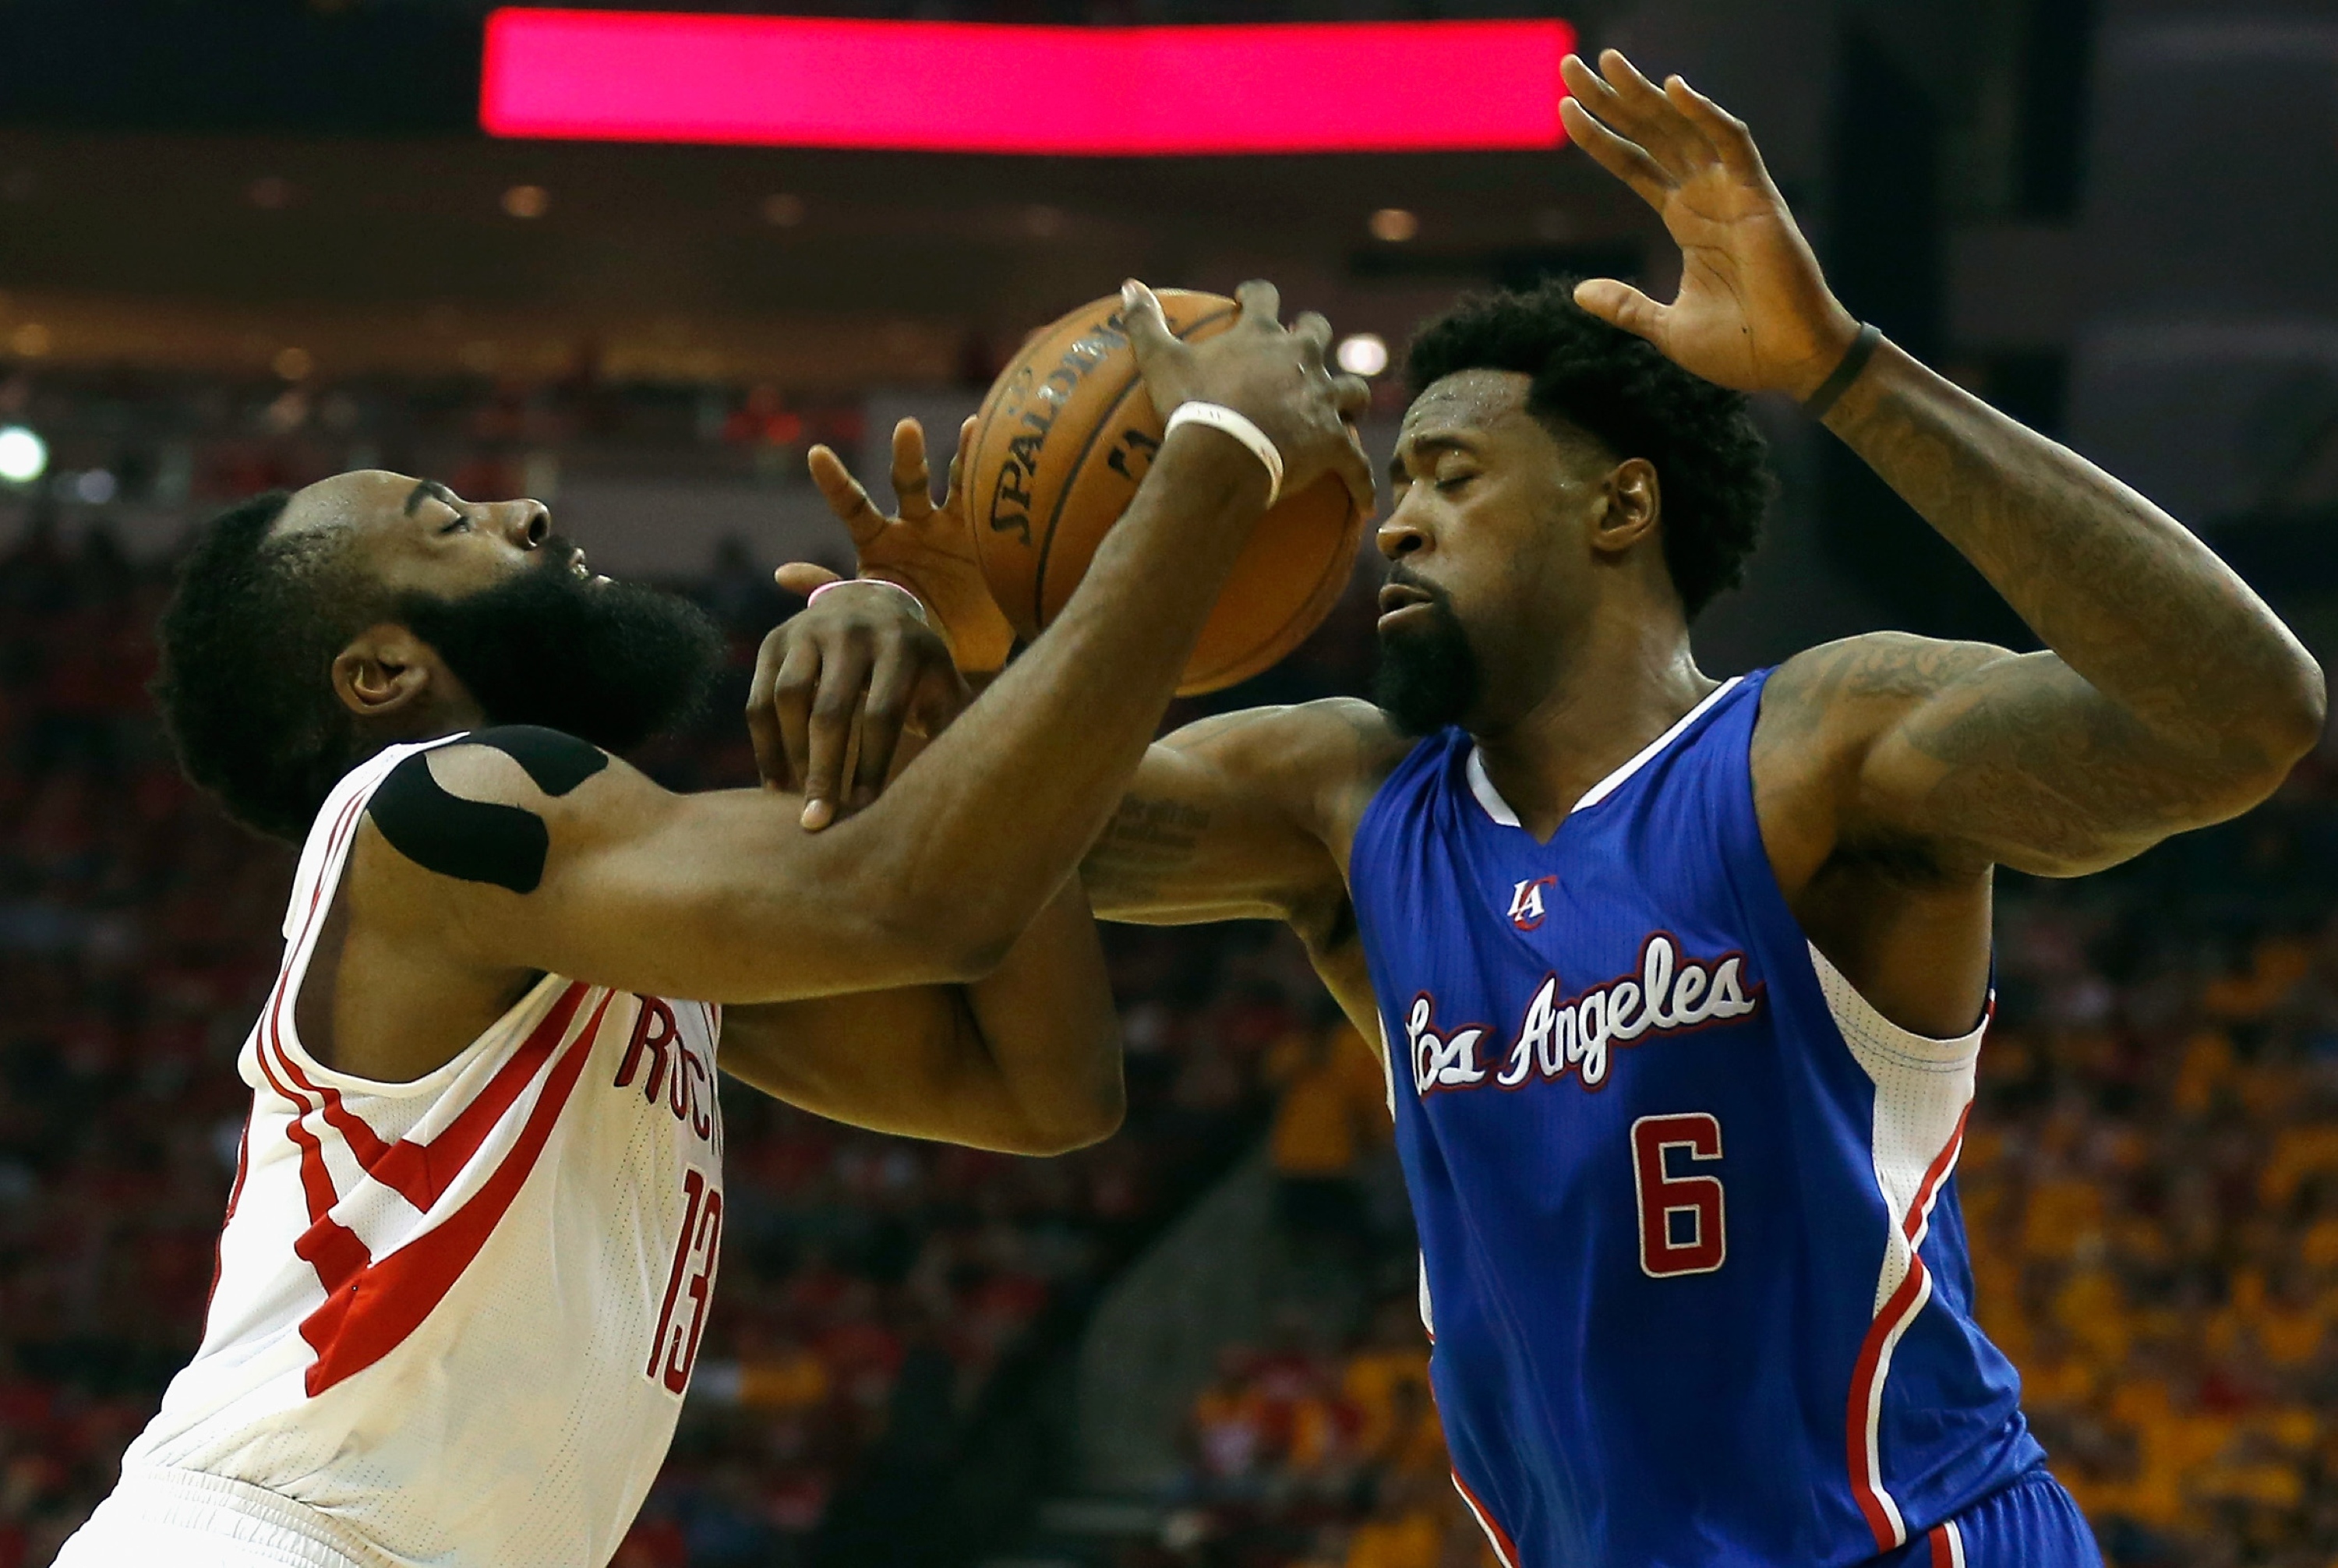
(2151, 1183)
(2152, 1190)
(152, 437)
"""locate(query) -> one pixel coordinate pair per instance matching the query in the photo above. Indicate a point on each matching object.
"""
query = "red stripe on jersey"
(421, 1172)
(343, 825)
(314, 1179)
(1504, 1547)
(1866, 1484)
(389, 1299)
(234, 1196)
(327, 1246)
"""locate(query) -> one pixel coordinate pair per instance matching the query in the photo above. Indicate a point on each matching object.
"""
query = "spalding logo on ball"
(1064, 438)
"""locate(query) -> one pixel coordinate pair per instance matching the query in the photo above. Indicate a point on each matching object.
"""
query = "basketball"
(1066, 434)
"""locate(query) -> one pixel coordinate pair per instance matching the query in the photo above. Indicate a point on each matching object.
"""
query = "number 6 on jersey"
(1682, 1227)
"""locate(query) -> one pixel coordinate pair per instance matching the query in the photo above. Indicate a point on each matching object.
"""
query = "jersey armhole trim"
(316, 884)
(1870, 1034)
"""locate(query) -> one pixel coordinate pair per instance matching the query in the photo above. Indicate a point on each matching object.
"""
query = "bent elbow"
(973, 953)
(2303, 714)
(2287, 725)
(1106, 1113)
(947, 946)
(1084, 1106)
(967, 937)
(1083, 1126)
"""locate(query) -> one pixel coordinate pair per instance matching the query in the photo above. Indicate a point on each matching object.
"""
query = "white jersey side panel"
(455, 1317)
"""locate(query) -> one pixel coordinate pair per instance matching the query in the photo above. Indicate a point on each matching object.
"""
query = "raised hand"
(1753, 312)
(925, 548)
(1277, 378)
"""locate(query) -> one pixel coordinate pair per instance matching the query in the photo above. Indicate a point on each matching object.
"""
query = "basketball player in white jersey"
(478, 1202)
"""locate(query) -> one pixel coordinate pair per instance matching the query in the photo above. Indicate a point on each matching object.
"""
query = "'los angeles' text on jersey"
(1561, 1034)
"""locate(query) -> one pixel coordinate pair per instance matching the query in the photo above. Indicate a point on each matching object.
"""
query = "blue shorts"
(2032, 1524)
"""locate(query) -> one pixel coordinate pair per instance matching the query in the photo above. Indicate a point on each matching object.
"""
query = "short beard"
(609, 663)
(1427, 677)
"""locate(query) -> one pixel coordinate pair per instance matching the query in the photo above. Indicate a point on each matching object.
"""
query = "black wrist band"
(1855, 359)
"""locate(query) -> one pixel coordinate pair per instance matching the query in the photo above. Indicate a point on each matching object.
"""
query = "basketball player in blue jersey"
(1681, 980)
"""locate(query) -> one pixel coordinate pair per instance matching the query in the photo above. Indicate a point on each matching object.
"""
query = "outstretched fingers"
(913, 478)
(1635, 107)
(1314, 335)
(1621, 305)
(1628, 160)
(1727, 135)
(959, 460)
(844, 495)
(1262, 303)
(1355, 469)
(1148, 329)
(800, 577)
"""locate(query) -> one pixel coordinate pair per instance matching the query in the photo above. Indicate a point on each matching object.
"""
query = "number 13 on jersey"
(688, 1284)
(1683, 1223)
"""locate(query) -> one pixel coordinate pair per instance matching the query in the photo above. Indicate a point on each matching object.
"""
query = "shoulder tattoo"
(480, 840)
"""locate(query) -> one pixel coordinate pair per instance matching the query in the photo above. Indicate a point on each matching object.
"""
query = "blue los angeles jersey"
(1691, 1253)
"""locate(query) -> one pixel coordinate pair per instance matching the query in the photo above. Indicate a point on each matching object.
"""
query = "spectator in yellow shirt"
(1333, 1107)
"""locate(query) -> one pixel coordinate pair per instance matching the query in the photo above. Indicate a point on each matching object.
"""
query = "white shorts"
(193, 1521)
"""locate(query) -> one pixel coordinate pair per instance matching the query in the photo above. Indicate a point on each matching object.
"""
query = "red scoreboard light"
(974, 87)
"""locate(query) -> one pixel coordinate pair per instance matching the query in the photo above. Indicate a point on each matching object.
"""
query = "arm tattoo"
(2173, 696)
(2040, 761)
(2126, 595)
(1148, 838)
(2019, 757)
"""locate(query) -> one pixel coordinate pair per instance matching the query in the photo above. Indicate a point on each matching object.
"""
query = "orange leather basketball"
(1065, 437)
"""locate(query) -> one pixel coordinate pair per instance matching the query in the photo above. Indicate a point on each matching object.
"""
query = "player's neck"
(1624, 686)
(434, 719)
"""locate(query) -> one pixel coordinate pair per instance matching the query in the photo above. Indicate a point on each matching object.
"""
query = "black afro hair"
(248, 642)
(1601, 379)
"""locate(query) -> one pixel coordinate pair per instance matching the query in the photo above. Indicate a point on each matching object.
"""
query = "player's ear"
(386, 669)
(1631, 503)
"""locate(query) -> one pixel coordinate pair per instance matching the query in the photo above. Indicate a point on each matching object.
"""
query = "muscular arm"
(1025, 1060)
(1250, 816)
(2171, 697)
(1242, 816)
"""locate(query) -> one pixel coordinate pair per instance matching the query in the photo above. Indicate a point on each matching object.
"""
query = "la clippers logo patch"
(1526, 902)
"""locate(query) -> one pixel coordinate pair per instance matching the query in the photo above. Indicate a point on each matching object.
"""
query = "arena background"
(249, 244)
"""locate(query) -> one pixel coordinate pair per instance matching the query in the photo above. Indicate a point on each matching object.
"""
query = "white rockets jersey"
(453, 1319)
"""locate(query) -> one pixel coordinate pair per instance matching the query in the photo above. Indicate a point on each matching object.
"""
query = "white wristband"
(917, 605)
(1218, 416)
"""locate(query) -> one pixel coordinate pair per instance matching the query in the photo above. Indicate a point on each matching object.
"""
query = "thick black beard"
(1427, 677)
(609, 663)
